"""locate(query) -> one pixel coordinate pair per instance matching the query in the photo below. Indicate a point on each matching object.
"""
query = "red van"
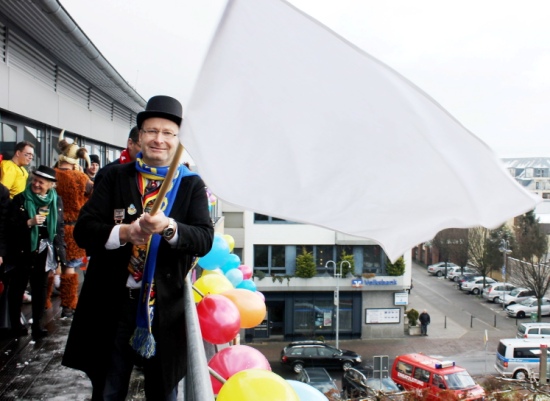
(434, 378)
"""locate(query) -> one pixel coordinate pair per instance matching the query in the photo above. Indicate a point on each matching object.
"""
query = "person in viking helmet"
(74, 187)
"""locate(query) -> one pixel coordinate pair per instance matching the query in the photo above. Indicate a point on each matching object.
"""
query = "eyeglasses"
(30, 155)
(155, 132)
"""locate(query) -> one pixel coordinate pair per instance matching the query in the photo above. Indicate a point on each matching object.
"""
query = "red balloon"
(233, 359)
(247, 271)
(219, 319)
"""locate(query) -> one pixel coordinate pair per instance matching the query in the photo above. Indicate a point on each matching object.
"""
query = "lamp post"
(503, 247)
(337, 295)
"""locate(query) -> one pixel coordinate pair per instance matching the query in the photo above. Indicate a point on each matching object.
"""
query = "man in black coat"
(126, 287)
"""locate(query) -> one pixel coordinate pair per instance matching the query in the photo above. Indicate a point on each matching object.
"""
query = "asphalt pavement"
(32, 370)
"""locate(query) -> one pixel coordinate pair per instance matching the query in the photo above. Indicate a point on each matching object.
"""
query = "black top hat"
(161, 106)
(94, 159)
(45, 172)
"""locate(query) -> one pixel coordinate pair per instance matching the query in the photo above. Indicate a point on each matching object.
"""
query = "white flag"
(289, 119)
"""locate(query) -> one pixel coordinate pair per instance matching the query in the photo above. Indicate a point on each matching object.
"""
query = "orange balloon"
(251, 306)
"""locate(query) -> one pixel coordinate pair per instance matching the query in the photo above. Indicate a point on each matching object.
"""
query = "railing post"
(197, 385)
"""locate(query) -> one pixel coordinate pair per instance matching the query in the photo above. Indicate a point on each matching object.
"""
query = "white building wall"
(23, 94)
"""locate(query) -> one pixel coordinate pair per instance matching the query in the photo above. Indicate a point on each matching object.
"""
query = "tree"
(346, 267)
(532, 243)
(397, 268)
(532, 275)
(452, 244)
(305, 265)
(527, 267)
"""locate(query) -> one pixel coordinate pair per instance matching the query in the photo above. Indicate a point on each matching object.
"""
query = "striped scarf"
(143, 341)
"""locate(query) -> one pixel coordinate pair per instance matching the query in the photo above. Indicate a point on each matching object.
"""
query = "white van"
(533, 330)
(519, 358)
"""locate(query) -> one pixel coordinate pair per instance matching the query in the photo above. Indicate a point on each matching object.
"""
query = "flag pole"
(169, 177)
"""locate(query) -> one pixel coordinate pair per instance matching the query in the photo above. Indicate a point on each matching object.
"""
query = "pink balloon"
(262, 296)
(234, 359)
(247, 271)
(219, 319)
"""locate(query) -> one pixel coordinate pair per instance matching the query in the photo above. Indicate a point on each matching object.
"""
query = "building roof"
(526, 162)
(49, 25)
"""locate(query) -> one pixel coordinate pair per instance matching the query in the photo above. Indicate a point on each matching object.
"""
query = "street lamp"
(503, 247)
(337, 295)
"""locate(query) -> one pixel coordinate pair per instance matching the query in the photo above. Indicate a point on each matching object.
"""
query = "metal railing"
(197, 385)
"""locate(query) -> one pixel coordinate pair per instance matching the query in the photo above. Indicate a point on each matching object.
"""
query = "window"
(270, 258)
(422, 375)
(262, 218)
(372, 259)
(404, 368)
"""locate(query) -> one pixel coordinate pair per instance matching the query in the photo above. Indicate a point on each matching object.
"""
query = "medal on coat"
(119, 216)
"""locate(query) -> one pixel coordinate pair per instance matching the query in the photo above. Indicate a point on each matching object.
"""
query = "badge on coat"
(132, 210)
(119, 216)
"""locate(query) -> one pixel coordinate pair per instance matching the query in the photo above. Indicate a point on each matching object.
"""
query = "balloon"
(217, 270)
(306, 392)
(247, 285)
(261, 295)
(257, 385)
(234, 359)
(231, 262)
(217, 255)
(247, 271)
(251, 307)
(235, 276)
(211, 284)
(219, 319)
(230, 241)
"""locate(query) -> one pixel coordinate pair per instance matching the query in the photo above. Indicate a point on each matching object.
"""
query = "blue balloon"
(235, 276)
(217, 255)
(307, 392)
(247, 285)
(232, 262)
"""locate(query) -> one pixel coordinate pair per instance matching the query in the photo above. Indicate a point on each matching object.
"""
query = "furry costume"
(74, 187)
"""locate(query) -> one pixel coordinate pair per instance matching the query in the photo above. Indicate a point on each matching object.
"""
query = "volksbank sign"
(358, 282)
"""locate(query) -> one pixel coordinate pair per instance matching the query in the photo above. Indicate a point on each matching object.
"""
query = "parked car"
(533, 330)
(458, 271)
(517, 295)
(529, 306)
(438, 269)
(463, 278)
(322, 381)
(497, 291)
(475, 284)
(299, 354)
(356, 383)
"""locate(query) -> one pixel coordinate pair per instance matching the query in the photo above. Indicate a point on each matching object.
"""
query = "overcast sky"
(486, 62)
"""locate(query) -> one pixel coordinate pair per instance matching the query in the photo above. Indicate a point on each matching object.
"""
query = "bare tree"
(478, 252)
(452, 244)
(532, 275)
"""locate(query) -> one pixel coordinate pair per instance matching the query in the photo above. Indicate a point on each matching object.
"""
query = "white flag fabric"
(288, 119)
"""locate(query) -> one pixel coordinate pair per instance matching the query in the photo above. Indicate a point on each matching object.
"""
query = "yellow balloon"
(250, 306)
(211, 284)
(230, 241)
(257, 385)
(217, 270)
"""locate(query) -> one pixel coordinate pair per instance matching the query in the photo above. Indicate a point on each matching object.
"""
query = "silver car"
(475, 284)
(497, 291)
(517, 295)
(528, 307)
(438, 269)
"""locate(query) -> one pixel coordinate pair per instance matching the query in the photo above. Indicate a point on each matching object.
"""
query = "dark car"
(322, 381)
(299, 354)
(356, 383)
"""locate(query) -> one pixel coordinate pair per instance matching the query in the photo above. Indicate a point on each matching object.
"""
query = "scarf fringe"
(143, 342)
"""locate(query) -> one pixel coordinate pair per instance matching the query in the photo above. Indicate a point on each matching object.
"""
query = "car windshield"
(459, 381)
(387, 385)
(528, 301)
(516, 291)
